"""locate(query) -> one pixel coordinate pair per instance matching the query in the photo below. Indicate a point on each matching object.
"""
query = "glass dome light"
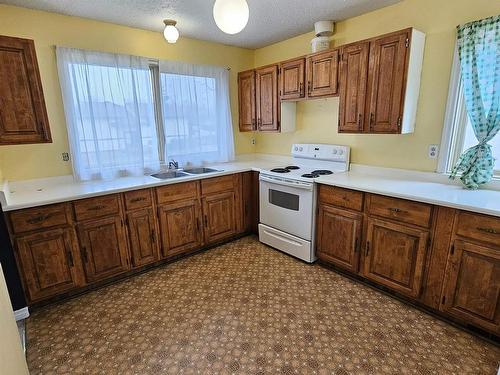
(170, 33)
(231, 16)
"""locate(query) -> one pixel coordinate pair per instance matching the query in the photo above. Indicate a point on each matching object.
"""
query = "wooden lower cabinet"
(471, 290)
(143, 237)
(219, 211)
(250, 201)
(395, 256)
(180, 227)
(104, 248)
(49, 262)
(339, 237)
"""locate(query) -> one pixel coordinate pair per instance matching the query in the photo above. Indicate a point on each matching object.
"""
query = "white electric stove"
(288, 197)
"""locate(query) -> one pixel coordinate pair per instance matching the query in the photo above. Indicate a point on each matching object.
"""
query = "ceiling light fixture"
(231, 16)
(170, 33)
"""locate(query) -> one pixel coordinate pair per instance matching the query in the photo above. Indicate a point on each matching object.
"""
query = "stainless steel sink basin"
(168, 175)
(200, 170)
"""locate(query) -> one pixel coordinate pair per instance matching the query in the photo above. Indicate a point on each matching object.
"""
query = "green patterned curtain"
(479, 52)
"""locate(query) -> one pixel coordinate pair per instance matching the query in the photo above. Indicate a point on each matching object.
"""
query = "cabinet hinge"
(428, 243)
(356, 245)
(399, 122)
(452, 250)
(443, 300)
(407, 42)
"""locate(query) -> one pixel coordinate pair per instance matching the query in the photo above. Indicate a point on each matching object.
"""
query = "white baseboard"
(21, 313)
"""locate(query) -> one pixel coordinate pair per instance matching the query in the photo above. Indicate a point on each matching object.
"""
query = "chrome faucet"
(173, 164)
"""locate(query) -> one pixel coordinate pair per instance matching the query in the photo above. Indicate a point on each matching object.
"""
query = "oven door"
(287, 205)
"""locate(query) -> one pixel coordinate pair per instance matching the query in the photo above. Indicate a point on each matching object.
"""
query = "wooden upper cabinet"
(49, 262)
(143, 237)
(339, 237)
(395, 256)
(266, 95)
(386, 83)
(23, 116)
(292, 77)
(322, 74)
(180, 224)
(220, 216)
(104, 248)
(472, 285)
(353, 80)
(246, 101)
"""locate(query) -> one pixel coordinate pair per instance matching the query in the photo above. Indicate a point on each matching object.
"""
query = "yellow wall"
(50, 29)
(317, 119)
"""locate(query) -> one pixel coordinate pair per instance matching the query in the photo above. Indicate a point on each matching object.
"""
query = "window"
(126, 115)
(458, 134)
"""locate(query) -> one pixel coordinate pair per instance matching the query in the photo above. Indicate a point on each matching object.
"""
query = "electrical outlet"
(253, 141)
(65, 156)
(433, 151)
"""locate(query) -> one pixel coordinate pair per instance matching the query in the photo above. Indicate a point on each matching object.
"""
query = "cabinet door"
(267, 98)
(103, 247)
(49, 262)
(292, 79)
(180, 227)
(219, 211)
(395, 256)
(322, 74)
(339, 236)
(246, 100)
(386, 83)
(472, 285)
(23, 117)
(353, 77)
(143, 239)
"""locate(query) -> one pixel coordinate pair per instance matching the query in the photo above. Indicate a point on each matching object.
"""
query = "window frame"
(455, 122)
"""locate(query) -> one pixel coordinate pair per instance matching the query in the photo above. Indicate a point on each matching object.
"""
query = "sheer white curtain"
(196, 113)
(109, 110)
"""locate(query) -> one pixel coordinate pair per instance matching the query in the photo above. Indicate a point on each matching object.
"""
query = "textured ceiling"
(270, 20)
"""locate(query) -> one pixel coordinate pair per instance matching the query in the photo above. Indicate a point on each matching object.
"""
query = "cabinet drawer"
(97, 207)
(344, 198)
(177, 192)
(218, 184)
(40, 217)
(138, 199)
(401, 210)
(479, 227)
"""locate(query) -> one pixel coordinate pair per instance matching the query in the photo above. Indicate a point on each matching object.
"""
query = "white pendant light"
(170, 33)
(231, 16)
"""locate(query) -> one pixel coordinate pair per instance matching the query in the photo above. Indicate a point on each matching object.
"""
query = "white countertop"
(424, 187)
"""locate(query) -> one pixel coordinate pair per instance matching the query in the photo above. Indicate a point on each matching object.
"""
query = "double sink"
(183, 173)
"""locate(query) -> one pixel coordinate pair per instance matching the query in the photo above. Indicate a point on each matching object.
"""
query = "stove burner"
(280, 170)
(322, 172)
(310, 175)
(292, 167)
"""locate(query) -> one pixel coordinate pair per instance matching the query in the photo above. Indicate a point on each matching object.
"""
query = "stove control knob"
(341, 152)
(300, 148)
(296, 148)
(335, 151)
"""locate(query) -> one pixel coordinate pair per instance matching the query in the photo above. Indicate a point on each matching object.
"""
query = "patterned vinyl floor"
(244, 308)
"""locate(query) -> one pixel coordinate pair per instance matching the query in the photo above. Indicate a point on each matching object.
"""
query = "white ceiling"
(270, 20)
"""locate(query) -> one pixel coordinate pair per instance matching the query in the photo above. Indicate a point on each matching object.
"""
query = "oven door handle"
(304, 186)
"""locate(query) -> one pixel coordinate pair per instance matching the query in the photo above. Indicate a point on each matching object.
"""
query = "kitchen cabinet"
(143, 237)
(353, 81)
(181, 229)
(395, 256)
(219, 213)
(23, 116)
(104, 248)
(266, 95)
(471, 290)
(339, 236)
(292, 77)
(49, 262)
(250, 200)
(246, 101)
(322, 74)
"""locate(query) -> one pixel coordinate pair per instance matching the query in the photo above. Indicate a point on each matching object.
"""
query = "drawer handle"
(396, 210)
(139, 199)
(488, 230)
(97, 208)
(38, 219)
